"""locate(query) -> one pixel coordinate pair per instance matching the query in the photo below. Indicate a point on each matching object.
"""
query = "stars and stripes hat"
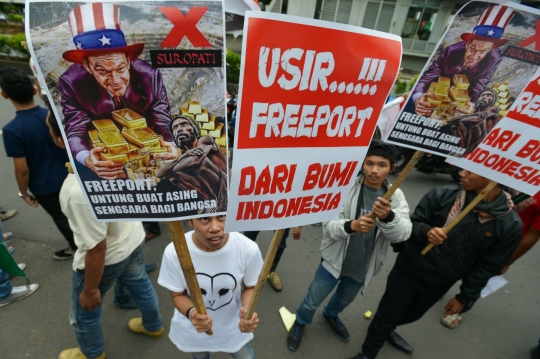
(96, 31)
(490, 26)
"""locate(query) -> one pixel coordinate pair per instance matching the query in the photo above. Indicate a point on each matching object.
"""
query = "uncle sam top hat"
(491, 25)
(96, 31)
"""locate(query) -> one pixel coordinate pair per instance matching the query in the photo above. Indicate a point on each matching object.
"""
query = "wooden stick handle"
(463, 213)
(402, 175)
(268, 261)
(179, 239)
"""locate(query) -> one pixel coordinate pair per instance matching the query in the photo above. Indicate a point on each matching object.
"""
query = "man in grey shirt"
(354, 245)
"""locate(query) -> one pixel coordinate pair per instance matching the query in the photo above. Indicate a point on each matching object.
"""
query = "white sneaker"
(18, 293)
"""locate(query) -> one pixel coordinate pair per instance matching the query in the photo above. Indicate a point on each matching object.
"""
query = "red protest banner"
(308, 66)
(308, 107)
(510, 153)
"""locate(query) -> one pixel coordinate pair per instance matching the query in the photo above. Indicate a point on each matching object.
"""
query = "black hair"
(52, 120)
(493, 93)
(192, 122)
(17, 85)
(386, 150)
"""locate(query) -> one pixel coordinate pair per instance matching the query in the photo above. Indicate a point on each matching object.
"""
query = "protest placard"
(311, 92)
(482, 63)
(510, 153)
(139, 88)
(389, 115)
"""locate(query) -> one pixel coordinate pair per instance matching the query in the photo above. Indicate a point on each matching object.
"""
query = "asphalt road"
(501, 326)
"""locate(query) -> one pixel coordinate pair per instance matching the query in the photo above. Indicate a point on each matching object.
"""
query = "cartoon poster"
(139, 89)
(308, 107)
(483, 62)
(510, 153)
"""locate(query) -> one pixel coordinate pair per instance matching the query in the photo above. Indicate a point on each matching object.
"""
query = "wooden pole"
(403, 174)
(179, 239)
(268, 261)
(463, 213)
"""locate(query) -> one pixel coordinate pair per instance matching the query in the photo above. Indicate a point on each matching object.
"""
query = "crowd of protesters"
(484, 244)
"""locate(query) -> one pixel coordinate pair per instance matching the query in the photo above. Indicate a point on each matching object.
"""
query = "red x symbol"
(184, 26)
(534, 38)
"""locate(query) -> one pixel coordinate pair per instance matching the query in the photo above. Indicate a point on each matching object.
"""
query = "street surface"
(504, 325)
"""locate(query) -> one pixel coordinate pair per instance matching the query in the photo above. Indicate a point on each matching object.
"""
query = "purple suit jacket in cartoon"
(85, 100)
(450, 62)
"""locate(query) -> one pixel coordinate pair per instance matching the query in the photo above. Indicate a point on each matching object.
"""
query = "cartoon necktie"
(117, 102)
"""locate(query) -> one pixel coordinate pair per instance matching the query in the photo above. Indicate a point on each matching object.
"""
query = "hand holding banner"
(305, 117)
(463, 213)
(145, 135)
(468, 85)
(303, 122)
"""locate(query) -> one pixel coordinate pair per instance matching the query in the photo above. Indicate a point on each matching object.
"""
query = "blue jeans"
(245, 353)
(130, 273)
(5, 286)
(322, 285)
(122, 296)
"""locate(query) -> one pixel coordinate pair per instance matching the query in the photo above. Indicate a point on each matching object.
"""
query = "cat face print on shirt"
(217, 290)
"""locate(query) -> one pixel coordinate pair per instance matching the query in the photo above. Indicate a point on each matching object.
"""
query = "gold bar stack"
(107, 135)
(134, 145)
(448, 92)
(129, 119)
(504, 100)
(142, 138)
(209, 125)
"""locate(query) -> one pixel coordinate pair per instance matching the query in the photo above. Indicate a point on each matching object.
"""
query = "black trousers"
(405, 300)
(51, 204)
(253, 236)
(152, 228)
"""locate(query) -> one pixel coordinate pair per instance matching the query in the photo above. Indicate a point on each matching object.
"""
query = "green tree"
(4, 44)
(401, 87)
(413, 81)
(15, 17)
(233, 67)
(8, 44)
(15, 43)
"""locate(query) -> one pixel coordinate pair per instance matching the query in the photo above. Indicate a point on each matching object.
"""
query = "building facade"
(420, 23)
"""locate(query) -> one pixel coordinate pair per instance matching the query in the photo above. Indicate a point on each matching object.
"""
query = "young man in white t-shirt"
(227, 266)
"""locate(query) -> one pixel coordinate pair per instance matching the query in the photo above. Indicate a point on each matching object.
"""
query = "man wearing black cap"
(354, 246)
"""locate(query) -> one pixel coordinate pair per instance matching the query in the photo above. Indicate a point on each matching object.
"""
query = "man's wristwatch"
(24, 195)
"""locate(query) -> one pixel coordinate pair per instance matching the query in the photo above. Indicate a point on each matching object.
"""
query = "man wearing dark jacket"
(475, 250)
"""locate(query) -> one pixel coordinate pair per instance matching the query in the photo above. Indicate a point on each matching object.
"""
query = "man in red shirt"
(530, 216)
(529, 212)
